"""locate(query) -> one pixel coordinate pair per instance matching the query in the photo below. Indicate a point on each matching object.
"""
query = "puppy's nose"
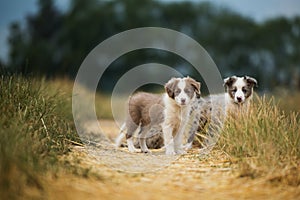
(239, 99)
(183, 100)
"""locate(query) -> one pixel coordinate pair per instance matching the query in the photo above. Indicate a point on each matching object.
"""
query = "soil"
(117, 174)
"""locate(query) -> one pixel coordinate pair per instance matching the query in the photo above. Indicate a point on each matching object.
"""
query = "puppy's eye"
(187, 90)
(234, 90)
(244, 90)
(177, 91)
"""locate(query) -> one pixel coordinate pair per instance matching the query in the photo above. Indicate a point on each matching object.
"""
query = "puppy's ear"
(251, 81)
(229, 81)
(169, 88)
(196, 85)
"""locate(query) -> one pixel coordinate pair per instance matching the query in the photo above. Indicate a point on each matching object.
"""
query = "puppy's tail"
(119, 139)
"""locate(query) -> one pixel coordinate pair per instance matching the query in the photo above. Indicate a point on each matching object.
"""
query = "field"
(42, 157)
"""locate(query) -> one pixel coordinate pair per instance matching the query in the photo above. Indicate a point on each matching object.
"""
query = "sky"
(259, 10)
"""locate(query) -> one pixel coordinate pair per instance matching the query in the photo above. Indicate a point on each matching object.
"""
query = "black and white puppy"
(239, 91)
(214, 108)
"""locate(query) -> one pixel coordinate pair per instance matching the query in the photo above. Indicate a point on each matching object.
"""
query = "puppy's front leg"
(179, 135)
(178, 142)
(168, 140)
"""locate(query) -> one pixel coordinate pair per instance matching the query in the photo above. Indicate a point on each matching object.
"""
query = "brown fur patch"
(170, 87)
(191, 87)
(229, 86)
(143, 109)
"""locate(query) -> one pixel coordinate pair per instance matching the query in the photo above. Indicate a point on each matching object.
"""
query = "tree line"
(54, 43)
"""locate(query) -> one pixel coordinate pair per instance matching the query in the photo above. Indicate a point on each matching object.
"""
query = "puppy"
(152, 112)
(181, 94)
(214, 108)
(239, 92)
(145, 110)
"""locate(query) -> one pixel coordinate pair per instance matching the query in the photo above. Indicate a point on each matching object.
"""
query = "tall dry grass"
(37, 126)
(64, 86)
(35, 129)
(264, 142)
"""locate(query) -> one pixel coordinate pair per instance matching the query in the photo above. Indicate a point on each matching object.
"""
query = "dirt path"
(211, 177)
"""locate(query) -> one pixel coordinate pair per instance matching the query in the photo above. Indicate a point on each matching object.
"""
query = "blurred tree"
(17, 54)
(44, 30)
(280, 38)
(55, 43)
(36, 49)
(1, 64)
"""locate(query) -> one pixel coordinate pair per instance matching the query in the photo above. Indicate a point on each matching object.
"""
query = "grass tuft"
(34, 131)
(265, 141)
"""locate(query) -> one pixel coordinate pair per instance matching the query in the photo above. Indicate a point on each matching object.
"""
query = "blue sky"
(259, 10)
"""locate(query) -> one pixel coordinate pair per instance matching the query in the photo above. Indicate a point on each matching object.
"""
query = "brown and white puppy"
(151, 112)
(145, 110)
(181, 94)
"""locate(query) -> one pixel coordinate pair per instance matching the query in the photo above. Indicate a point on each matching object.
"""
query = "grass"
(35, 129)
(265, 142)
(288, 101)
(64, 87)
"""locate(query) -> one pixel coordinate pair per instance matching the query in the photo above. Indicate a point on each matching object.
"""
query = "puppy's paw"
(170, 152)
(187, 146)
(147, 151)
(180, 151)
(133, 150)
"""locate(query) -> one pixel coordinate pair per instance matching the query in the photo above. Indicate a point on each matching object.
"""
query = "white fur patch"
(182, 98)
(176, 114)
(239, 96)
